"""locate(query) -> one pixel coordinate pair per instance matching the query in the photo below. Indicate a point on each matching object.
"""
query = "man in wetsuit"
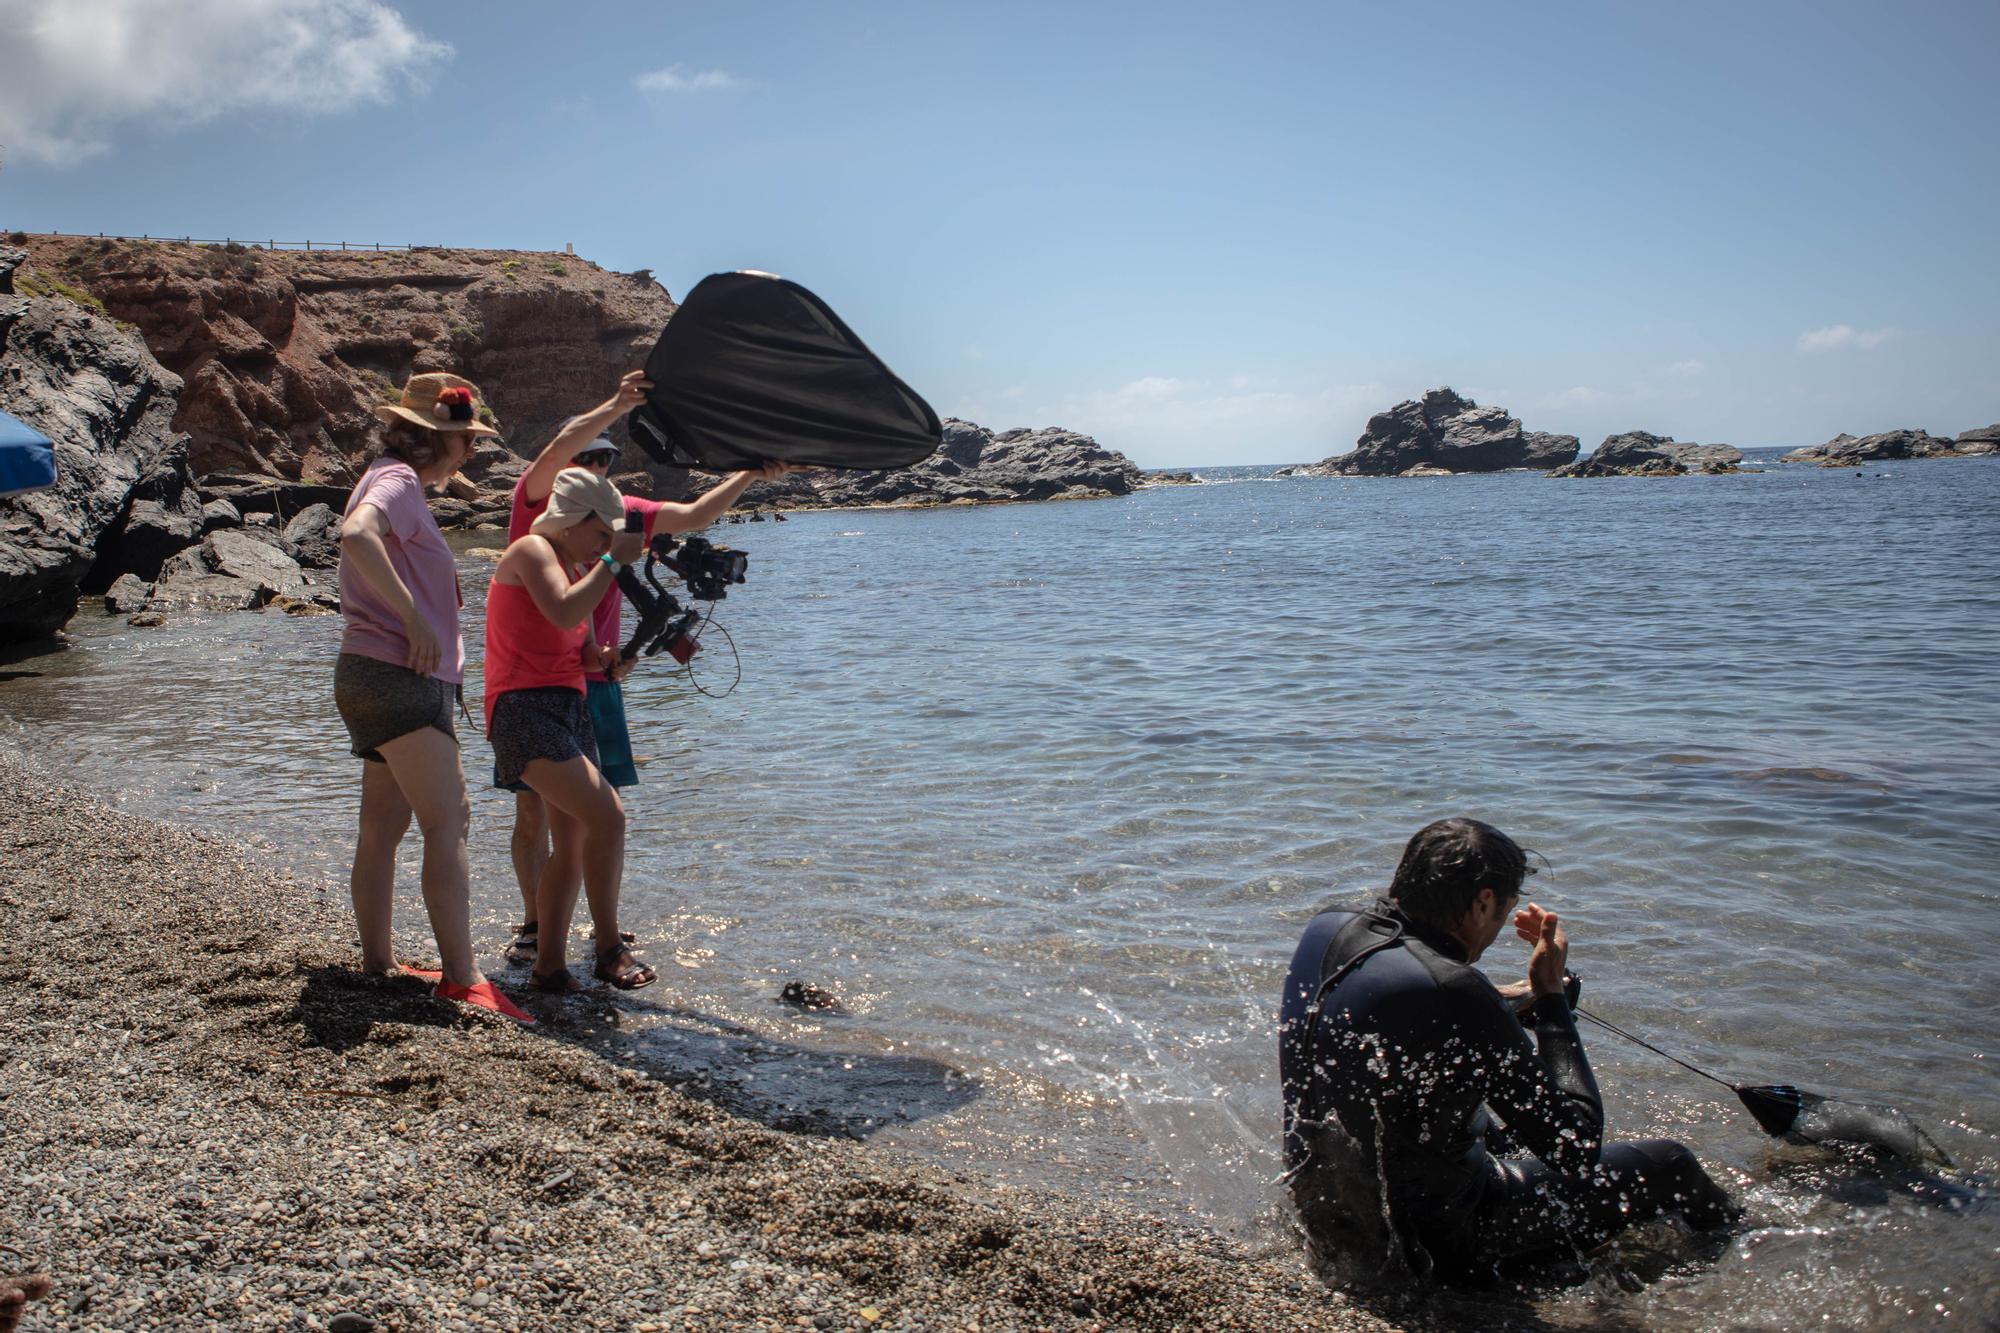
(1420, 1119)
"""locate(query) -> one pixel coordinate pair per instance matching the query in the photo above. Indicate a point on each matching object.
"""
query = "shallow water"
(1045, 793)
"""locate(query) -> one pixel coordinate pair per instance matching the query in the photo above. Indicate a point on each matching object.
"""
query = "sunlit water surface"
(1045, 793)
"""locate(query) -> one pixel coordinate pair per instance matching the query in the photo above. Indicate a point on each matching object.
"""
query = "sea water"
(1045, 793)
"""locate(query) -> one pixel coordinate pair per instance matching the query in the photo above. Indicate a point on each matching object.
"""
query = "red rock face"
(285, 354)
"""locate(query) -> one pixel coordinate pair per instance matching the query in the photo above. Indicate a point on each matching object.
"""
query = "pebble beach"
(210, 1119)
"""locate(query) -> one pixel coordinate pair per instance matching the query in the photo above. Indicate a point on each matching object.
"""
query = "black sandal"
(526, 944)
(559, 982)
(639, 974)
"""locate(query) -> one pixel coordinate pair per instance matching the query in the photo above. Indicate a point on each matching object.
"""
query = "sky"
(1204, 234)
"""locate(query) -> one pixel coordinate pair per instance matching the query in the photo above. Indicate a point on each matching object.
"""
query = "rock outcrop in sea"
(1443, 431)
(1638, 453)
(1891, 445)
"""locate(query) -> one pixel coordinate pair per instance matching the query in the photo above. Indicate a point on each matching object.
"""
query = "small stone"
(480, 1299)
(347, 1321)
(870, 1313)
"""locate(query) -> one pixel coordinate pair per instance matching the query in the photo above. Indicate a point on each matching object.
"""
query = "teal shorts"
(606, 701)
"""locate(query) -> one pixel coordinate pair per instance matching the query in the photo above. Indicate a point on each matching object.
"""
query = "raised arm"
(1543, 1090)
(361, 534)
(696, 514)
(560, 452)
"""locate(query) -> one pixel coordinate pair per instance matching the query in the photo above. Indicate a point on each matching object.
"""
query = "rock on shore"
(1638, 453)
(1891, 445)
(209, 1119)
(123, 498)
(1443, 430)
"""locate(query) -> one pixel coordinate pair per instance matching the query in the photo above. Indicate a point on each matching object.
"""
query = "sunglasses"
(592, 459)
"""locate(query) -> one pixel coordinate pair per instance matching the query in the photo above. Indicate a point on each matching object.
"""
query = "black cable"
(1609, 1026)
(709, 621)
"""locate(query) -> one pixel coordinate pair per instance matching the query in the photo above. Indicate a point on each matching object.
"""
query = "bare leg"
(576, 791)
(555, 899)
(385, 818)
(425, 766)
(16, 1290)
(530, 847)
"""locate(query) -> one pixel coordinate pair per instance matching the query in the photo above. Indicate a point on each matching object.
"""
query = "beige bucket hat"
(441, 401)
(577, 494)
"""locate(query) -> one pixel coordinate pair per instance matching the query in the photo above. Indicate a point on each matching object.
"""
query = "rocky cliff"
(285, 353)
(1443, 432)
(123, 499)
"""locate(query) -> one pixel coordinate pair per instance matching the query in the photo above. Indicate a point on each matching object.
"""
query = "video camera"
(706, 569)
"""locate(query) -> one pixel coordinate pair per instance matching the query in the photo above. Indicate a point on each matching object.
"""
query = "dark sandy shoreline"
(209, 1119)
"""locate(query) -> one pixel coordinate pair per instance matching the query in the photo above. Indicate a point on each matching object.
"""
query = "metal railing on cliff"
(249, 243)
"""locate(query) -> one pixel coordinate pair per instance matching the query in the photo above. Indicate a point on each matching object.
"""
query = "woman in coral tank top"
(538, 648)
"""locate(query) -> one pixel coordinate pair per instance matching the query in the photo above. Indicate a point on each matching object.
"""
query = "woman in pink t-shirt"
(400, 671)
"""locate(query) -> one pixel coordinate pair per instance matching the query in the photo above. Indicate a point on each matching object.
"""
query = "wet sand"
(210, 1119)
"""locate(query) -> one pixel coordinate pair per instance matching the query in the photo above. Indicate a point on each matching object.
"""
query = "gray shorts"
(549, 722)
(380, 701)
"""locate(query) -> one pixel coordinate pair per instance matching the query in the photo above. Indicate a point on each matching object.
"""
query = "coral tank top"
(523, 650)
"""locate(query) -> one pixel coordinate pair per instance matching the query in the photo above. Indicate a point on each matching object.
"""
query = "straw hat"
(435, 401)
(577, 494)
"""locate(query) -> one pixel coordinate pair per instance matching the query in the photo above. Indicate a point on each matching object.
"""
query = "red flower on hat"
(453, 404)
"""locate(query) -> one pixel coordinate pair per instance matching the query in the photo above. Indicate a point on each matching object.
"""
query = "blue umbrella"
(27, 458)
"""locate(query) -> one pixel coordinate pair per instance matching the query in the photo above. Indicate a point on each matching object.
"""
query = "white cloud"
(1840, 337)
(1152, 388)
(1581, 395)
(681, 79)
(1686, 368)
(75, 72)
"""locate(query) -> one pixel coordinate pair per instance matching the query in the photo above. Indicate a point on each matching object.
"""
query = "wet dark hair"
(1446, 865)
(419, 446)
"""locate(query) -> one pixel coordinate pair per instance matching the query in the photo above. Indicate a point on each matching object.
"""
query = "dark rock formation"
(1170, 479)
(974, 466)
(1638, 453)
(220, 514)
(1546, 451)
(1443, 430)
(1849, 451)
(262, 495)
(165, 516)
(232, 570)
(109, 407)
(1983, 440)
(313, 537)
(127, 594)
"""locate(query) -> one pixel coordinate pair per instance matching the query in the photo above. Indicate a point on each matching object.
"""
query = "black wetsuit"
(1392, 1097)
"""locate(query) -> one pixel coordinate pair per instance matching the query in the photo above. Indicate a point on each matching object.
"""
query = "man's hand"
(632, 388)
(775, 469)
(424, 653)
(1551, 956)
(618, 666)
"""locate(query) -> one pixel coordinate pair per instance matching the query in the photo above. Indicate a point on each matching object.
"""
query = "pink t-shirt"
(604, 621)
(418, 554)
